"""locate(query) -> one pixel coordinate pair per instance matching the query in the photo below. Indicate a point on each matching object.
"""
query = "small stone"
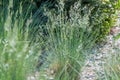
(31, 78)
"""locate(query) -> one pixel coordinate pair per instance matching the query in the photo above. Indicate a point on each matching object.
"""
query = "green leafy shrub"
(102, 18)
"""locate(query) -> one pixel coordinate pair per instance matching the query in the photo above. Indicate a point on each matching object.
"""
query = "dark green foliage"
(102, 19)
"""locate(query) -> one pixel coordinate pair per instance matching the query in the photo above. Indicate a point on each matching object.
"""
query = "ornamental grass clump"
(69, 43)
(17, 58)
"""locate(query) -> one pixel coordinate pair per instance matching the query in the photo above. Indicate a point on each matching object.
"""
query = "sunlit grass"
(16, 56)
(67, 44)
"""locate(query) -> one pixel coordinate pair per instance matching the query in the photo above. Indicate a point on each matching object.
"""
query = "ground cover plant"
(46, 41)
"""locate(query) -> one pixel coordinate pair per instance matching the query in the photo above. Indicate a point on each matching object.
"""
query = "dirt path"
(93, 68)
